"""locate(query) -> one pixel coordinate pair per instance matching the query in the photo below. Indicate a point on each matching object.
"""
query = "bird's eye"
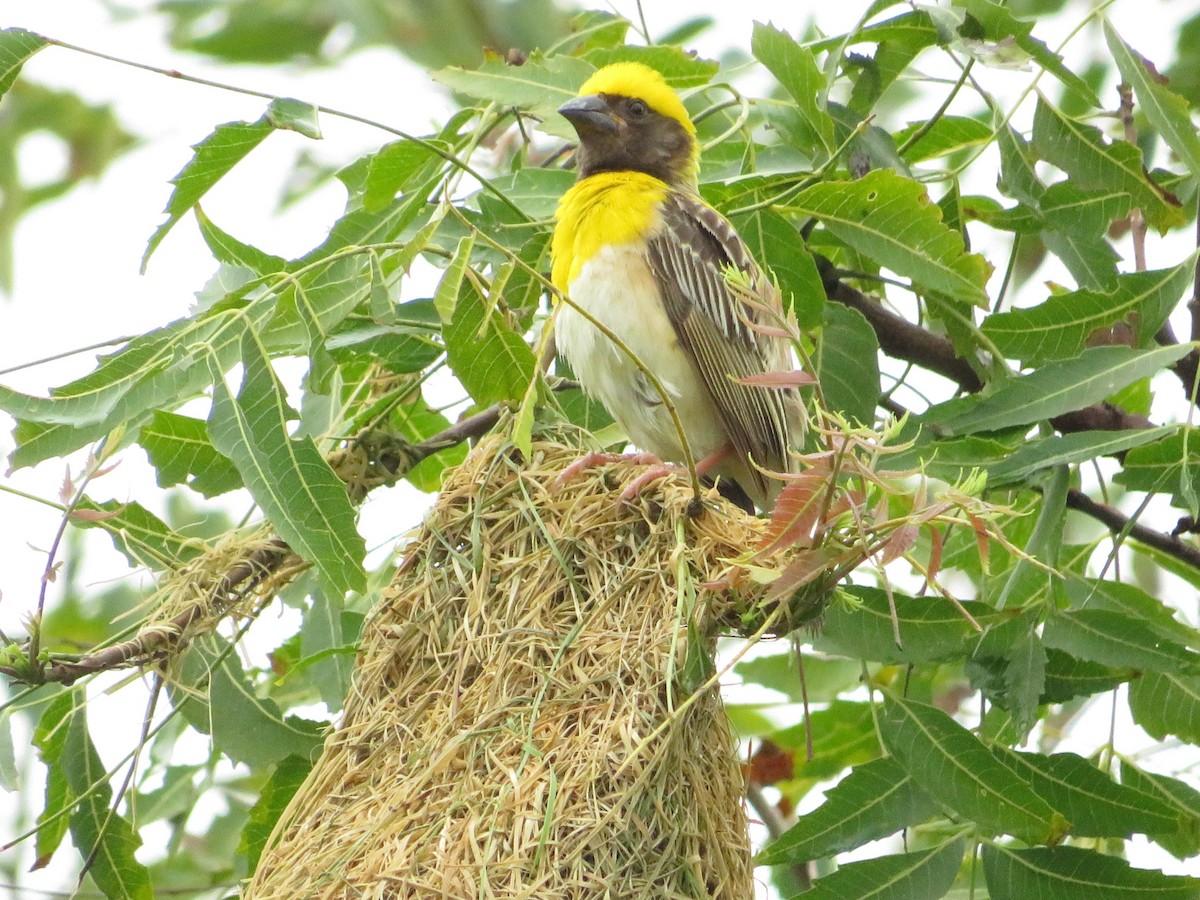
(638, 108)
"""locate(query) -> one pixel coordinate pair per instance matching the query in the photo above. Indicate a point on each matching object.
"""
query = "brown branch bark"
(1117, 522)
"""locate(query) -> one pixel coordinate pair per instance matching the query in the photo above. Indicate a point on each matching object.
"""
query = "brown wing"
(689, 255)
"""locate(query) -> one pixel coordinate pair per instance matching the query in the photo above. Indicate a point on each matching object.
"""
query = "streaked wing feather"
(688, 256)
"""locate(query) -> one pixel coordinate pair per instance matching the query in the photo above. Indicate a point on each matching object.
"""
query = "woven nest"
(522, 721)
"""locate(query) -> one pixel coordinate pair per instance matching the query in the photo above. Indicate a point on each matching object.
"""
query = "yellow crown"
(632, 79)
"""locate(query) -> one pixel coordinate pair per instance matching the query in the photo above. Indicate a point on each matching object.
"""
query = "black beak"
(589, 113)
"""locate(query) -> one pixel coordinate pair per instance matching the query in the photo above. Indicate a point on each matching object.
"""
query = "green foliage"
(1016, 326)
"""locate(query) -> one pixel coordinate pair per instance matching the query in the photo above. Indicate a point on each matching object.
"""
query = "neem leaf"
(229, 250)
(1058, 328)
(1001, 25)
(1116, 639)
(16, 47)
(774, 240)
(1184, 840)
(960, 772)
(901, 876)
(288, 477)
(891, 220)
(180, 451)
(215, 156)
(849, 363)
(876, 799)
(1054, 389)
(796, 69)
(1164, 703)
(680, 68)
(541, 85)
(97, 831)
(931, 628)
(1073, 873)
(488, 355)
(1081, 151)
(289, 774)
(1067, 449)
(221, 701)
(1096, 805)
(1167, 111)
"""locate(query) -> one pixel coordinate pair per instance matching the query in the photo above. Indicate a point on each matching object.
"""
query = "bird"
(641, 257)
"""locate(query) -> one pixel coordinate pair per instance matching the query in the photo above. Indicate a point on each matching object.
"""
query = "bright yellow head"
(632, 79)
(630, 120)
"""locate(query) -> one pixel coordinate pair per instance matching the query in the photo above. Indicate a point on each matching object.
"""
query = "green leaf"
(540, 86)
(229, 250)
(949, 134)
(1166, 110)
(1001, 26)
(824, 678)
(848, 364)
(1054, 389)
(16, 47)
(1163, 704)
(1059, 327)
(50, 737)
(1023, 669)
(535, 192)
(681, 68)
(289, 774)
(1096, 805)
(1081, 152)
(97, 831)
(1073, 873)
(1068, 677)
(843, 735)
(181, 453)
(1184, 839)
(404, 165)
(1133, 602)
(1067, 449)
(446, 296)
(401, 348)
(487, 354)
(921, 875)
(1160, 467)
(961, 773)
(931, 628)
(950, 459)
(320, 633)
(287, 114)
(289, 478)
(218, 698)
(891, 220)
(140, 536)
(1116, 639)
(875, 800)
(795, 68)
(215, 156)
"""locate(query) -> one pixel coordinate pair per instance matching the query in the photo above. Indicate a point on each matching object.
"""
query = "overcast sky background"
(77, 259)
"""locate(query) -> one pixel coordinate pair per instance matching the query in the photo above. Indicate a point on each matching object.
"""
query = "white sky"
(77, 259)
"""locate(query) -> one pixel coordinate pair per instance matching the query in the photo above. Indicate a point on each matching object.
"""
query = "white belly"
(617, 288)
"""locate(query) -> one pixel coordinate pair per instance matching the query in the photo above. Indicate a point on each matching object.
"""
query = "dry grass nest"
(534, 711)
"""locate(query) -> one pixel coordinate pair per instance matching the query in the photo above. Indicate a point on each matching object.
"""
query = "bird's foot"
(595, 458)
(658, 469)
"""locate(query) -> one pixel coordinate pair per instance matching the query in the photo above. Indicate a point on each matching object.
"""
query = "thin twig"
(776, 824)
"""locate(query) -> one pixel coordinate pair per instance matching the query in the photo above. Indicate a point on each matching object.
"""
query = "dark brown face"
(622, 134)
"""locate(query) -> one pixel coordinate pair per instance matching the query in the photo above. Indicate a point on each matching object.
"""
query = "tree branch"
(1117, 522)
(903, 340)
